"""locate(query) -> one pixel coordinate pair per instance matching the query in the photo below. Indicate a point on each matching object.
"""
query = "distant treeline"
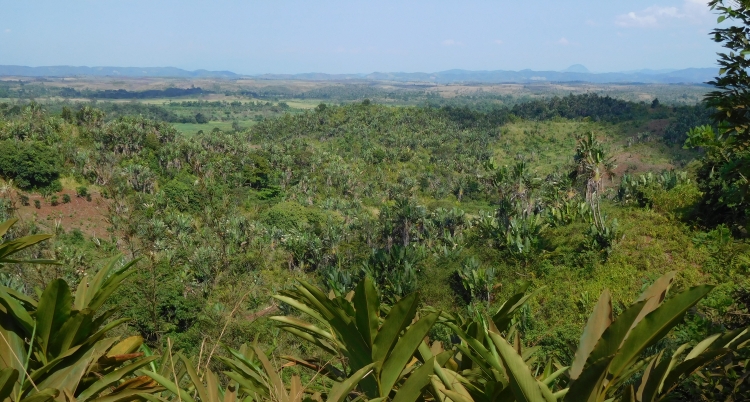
(587, 106)
(125, 94)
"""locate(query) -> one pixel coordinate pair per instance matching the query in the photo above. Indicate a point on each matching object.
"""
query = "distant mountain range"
(71, 71)
(575, 73)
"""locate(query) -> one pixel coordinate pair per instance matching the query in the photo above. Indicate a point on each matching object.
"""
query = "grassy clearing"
(192, 128)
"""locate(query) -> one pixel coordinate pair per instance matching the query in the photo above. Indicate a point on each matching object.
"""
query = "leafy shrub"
(256, 171)
(395, 270)
(66, 198)
(54, 201)
(182, 195)
(291, 216)
(200, 118)
(642, 189)
(478, 282)
(31, 165)
(37, 204)
(602, 235)
(24, 200)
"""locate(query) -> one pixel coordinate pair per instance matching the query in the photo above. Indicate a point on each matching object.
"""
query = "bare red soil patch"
(87, 216)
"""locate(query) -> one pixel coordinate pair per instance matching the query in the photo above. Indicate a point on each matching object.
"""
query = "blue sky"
(286, 36)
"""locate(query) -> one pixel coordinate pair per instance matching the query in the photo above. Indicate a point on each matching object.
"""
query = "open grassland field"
(313, 92)
(462, 193)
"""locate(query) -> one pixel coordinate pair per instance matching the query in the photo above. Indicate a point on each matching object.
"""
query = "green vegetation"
(430, 251)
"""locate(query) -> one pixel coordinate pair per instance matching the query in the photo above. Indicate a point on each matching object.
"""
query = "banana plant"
(378, 352)
(610, 351)
(56, 346)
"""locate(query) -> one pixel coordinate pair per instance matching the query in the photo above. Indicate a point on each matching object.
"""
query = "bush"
(54, 201)
(82, 191)
(66, 198)
(31, 165)
(37, 204)
(182, 195)
(24, 200)
(291, 216)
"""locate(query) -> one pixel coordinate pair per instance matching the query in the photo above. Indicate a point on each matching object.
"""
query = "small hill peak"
(576, 68)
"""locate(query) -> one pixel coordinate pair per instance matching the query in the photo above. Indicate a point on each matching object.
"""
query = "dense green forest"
(579, 248)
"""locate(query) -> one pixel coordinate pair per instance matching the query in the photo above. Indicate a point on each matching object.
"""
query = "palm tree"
(592, 165)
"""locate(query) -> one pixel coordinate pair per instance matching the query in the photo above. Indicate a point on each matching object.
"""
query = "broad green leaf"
(701, 346)
(314, 340)
(340, 390)
(230, 394)
(588, 385)
(654, 295)
(52, 312)
(255, 385)
(553, 376)
(170, 386)
(126, 395)
(688, 367)
(8, 377)
(367, 305)
(672, 363)
(599, 320)
(68, 374)
(303, 326)
(652, 378)
(273, 378)
(610, 341)
(81, 292)
(525, 387)
(152, 398)
(457, 397)
(45, 395)
(100, 294)
(7, 225)
(113, 377)
(504, 316)
(26, 301)
(404, 351)
(196, 381)
(63, 340)
(9, 248)
(301, 307)
(477, 346)
(126, 346)
(17, 311)
(412, 388)
(400, 316)
(655, 326)
(12, 346)
(213, 387)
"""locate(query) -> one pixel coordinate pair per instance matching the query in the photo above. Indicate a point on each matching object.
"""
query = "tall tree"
(723, 177)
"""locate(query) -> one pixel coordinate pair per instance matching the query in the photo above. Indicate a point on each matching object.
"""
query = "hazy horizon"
(339, 37)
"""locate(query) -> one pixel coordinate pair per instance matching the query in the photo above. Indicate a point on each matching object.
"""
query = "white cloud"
(693, 11)
(451, 42)
(563, 41)
(499, 42)
(650, 17)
